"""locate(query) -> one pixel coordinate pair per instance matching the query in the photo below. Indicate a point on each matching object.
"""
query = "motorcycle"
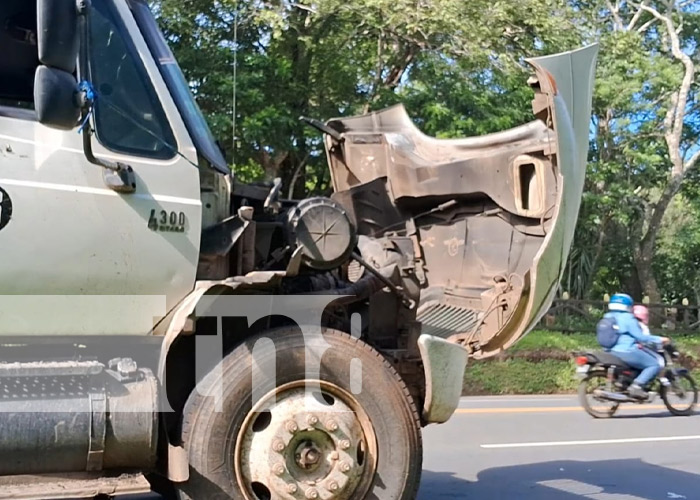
(605, 380)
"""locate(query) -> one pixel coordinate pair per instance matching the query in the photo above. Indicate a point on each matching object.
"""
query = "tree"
(680, 158)
(646, 127)
(677, 257)
(330, 58)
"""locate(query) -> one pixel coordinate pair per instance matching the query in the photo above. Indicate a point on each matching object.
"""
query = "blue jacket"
(631, 333)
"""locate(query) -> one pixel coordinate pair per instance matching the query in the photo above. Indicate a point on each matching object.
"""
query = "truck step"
(53, 368)
(70, 486)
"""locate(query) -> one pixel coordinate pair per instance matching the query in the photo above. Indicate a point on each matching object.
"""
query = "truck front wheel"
(350, 432)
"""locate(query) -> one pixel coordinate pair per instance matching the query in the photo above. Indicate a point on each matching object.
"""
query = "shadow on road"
(630, 479)
(642, 416)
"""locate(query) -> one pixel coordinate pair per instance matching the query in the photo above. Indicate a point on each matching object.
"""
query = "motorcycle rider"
(630, 344)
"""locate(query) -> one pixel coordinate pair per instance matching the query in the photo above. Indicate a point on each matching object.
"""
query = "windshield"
(177, 85)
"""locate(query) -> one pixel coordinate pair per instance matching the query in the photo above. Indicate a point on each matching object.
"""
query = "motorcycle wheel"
(682, 388)
(595, 407)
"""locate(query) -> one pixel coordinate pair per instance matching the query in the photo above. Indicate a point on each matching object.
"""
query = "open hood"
(492, 217)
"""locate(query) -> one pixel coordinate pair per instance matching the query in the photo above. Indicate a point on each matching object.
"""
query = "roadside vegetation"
(543, 363)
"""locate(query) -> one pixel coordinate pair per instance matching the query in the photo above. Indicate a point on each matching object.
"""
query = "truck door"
(77, 256)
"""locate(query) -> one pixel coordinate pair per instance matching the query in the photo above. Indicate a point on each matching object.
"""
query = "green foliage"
(331, 58)
(548, 340)
(519, 376)
(678, 256)
(630, 168)
(542, 363)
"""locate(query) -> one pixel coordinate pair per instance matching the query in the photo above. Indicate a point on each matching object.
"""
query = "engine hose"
(348, 293)
(407, 301)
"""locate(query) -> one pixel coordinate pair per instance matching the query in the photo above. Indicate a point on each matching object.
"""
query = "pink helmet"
(641, 313)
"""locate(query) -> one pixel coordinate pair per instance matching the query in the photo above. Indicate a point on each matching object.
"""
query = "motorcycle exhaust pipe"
(612, 396)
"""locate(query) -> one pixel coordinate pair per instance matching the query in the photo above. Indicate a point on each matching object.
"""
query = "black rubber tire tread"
(688, 411)
(209, 440)
(583, 397)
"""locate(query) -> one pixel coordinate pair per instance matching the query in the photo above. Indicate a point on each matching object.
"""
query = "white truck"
(143, 288)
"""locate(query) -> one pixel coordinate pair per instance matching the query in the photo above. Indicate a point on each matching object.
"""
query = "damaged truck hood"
(492, 218)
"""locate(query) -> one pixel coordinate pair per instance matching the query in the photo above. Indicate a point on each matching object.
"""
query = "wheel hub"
(302, 444)
(307, 456)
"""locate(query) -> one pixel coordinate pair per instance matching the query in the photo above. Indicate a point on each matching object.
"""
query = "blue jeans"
(641, 359)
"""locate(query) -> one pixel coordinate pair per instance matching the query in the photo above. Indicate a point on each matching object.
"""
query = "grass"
(542, 363)
(519, 376)
(546, 339)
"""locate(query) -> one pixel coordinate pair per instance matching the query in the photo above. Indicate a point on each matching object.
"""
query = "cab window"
(19, 56)
(128, 115)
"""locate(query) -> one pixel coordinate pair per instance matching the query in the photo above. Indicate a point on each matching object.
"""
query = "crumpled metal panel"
(492, 217)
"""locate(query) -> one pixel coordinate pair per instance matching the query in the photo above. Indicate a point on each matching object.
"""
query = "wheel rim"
(597, 404)
(681, 394)
(306, 443)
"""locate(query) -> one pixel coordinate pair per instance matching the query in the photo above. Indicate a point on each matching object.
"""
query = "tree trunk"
(597, 254)
(644, 249)
(632, 285)
(643, 263)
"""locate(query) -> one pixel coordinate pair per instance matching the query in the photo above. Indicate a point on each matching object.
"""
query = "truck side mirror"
(62, 38)
(55, 98)
(55, 87)
(57, 33)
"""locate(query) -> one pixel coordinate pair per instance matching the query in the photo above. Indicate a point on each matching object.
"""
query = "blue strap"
(86, 87)
(90, 97)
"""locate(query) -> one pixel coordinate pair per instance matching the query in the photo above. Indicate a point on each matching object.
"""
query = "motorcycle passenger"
(629, 346)
(642, 314)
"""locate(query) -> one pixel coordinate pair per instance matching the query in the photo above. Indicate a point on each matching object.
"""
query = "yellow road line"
(549, 409)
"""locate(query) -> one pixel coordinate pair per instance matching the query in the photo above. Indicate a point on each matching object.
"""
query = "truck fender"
(176, 324)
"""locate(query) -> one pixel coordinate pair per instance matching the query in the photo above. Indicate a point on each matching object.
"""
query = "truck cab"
(159, 306)
(141, 243)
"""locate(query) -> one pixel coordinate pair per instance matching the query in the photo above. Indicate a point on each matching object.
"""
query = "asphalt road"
(547, 448)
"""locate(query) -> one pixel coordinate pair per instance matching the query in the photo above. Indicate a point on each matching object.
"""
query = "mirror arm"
(117, 176)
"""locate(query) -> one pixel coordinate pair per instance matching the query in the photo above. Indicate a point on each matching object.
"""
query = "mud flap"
(444, 363)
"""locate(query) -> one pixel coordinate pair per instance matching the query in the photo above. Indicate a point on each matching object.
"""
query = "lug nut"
(292, 426)
(311, 493)
(277, 445)
(312, 420)
(344, 467)
(332, 425)
(292, 488)
(278, 469)
(344, 444)
(333, 486)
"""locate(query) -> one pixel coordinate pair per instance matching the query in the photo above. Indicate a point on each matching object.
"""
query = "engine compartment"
(441, 234)
(461, 239)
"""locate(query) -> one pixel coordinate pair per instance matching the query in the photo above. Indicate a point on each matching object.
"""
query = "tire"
(690, 386)
(584, 396)
(223, 459)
